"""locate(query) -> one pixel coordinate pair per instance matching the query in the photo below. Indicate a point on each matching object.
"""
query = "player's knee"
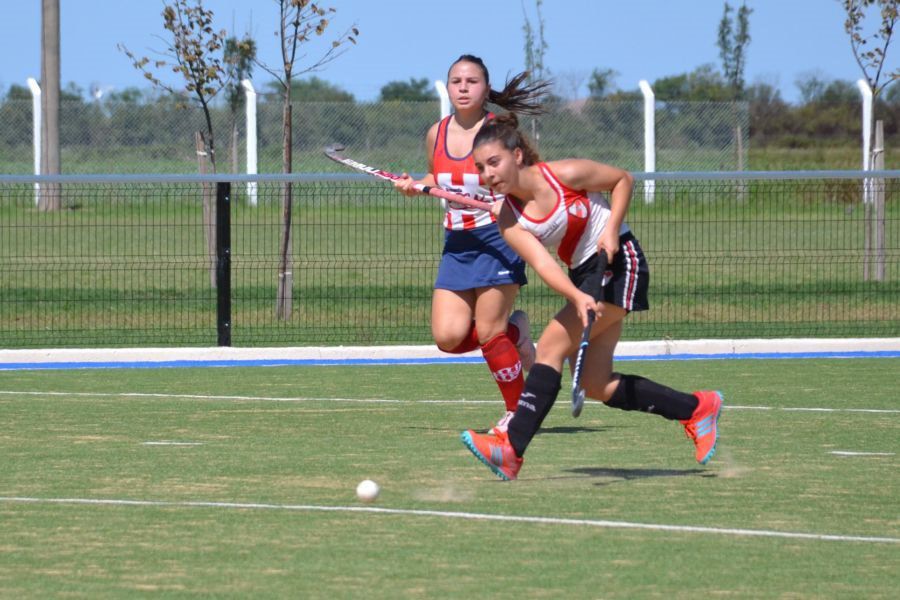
(598, 390)
(447, 344)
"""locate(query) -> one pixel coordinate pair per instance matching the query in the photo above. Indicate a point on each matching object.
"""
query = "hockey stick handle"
(334, 153)
(452, 197)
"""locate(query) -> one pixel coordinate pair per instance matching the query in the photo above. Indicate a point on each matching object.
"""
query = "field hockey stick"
(577, 389)
(334, 152)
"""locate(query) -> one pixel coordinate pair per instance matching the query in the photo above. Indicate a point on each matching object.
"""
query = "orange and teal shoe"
(702, 427)
(495, 451)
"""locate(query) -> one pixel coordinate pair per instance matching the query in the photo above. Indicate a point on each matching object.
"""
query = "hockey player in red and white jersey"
(479, 275)
(563, 206)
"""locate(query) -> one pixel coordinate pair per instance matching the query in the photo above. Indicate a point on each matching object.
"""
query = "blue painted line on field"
(263, 362)
(338, 362)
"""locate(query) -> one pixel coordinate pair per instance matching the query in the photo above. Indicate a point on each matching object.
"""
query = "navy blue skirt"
(476, 258)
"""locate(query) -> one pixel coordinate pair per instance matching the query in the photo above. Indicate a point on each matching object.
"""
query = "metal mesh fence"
(134, 261)
(154, 135)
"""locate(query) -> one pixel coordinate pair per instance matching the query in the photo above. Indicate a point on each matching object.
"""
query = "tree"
(732, 42)
(871, 62)
(535, 47)
(195, 51)
(602, 83)
(239, 57)
(300, 22)
(314, 89)
(415, 90)
(49, 197)
(702, 84)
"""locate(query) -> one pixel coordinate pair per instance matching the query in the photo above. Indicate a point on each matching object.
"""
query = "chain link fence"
(138, 134)
(140, 261)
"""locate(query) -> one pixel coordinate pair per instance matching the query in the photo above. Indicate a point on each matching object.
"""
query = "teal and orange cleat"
(702, 427)
(495, 451)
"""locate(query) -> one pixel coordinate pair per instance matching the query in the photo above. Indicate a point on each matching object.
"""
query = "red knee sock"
(469, 343)
(503, 361)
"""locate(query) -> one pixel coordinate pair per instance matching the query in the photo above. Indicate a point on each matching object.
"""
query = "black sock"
(637, 393)
(541, 388)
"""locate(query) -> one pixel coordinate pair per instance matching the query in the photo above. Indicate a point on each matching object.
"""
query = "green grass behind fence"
(131, 267)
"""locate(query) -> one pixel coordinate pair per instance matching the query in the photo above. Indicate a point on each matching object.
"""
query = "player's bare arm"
(592, 176)
(535, 254)
(405, 185)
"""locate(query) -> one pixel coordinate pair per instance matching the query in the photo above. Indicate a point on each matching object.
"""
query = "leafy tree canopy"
(414, 90)
(702, 84)
(314, 89)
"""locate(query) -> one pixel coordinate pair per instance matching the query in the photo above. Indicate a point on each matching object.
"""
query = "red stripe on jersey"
(578, 211)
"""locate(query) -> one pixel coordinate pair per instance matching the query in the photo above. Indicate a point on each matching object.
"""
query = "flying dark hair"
(505, 129)
(516, 95)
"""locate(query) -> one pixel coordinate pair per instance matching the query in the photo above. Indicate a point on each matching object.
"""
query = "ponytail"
(519, 98)
(516, 95)
(505, 129)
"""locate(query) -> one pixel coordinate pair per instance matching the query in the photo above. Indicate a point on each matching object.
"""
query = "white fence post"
(36, 132)
(444, 96)
(649, 139)
(446, 108)
(866, 93)
(252, 161)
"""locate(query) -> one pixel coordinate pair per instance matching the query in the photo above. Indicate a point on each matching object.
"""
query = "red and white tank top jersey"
(459, 175)
(575, 223)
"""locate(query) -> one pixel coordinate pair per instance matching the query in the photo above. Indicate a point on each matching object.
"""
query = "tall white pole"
(36, 131)
(866, 93)
(252, 160)
(444, 96)
(446, 108)
(649, 139)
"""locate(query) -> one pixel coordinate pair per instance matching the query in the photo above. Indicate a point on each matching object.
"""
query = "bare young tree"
(49, 197)
(870, 51)
(194, 51)
(535, 47)
(301, 21)
(732, 42)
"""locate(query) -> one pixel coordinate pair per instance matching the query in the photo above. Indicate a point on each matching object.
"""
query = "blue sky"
(399, 39)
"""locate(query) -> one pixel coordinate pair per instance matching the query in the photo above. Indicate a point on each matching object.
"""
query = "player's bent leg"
(492, 306)
(597, 373)
(452, 320)
(518, 321)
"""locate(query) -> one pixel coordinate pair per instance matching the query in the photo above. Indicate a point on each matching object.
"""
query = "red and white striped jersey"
(574, 225)
(459, 175)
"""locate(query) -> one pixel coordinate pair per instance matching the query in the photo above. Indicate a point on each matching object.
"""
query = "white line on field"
(170, 443)
(851, 453)
(462, 515)
(813, 409)
(386, 400)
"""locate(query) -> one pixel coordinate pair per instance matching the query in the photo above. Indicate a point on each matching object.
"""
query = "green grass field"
(258, 499)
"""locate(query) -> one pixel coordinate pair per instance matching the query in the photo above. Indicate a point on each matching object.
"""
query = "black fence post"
(223, 262)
